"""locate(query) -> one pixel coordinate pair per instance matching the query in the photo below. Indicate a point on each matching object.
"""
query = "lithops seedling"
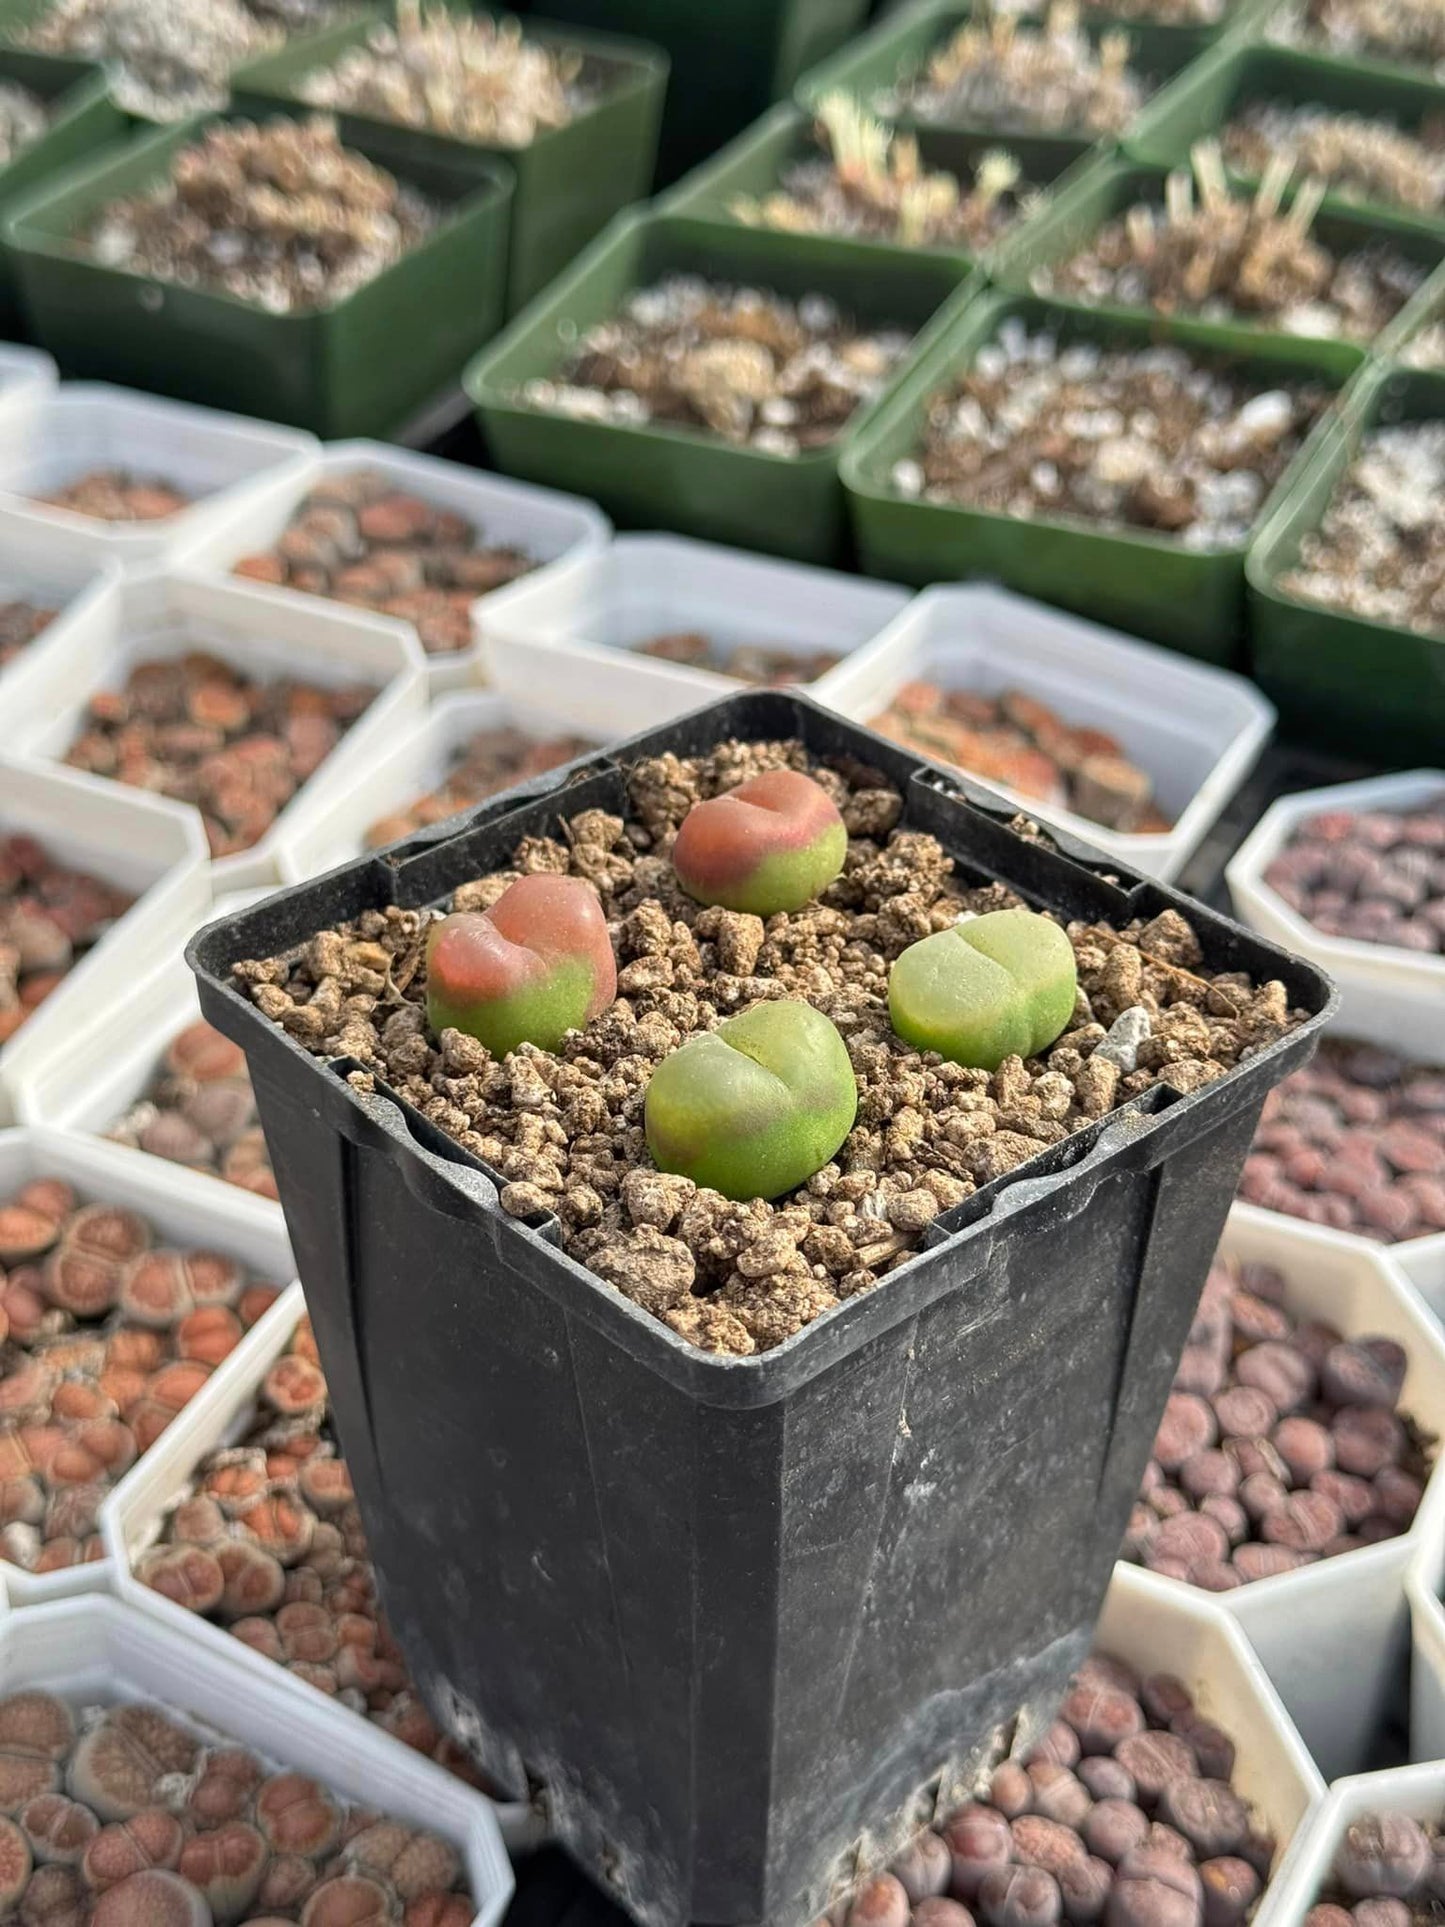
(996, 986)
(537, 964)
(755, 1107)
(773, 843)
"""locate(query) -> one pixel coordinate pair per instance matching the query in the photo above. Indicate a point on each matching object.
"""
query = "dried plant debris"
(137, 1815)
(21, 622)
(755, 663)
(1143, 438)
(1380, 550)
(1015, 739)
(489, 762)
(24, 117)
(871, 184)
(1405, 32)
(1152, 13)
(195, 728)
(106, 1333)
(358, 538)
(169, 58)
(266, 1539)
(49, 917)
(1006, 76)
(464, 75)
(199, 1110)
(564, 1131)
(117, 495)
(280, 216)
(1361, 159)
(751, 367)
(1227, 257)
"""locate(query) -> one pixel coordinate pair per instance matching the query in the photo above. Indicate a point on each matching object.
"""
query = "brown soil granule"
(565, 1133)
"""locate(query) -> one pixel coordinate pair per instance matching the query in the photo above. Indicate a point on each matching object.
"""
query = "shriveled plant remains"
(1220, 255)
(1407, 31)
(1360, 158)
(1015, 77)
(872, 183)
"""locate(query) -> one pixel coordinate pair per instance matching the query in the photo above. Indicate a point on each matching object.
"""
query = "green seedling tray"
(1107, 187)
(1205, 98)
(755, 162)
(731, 59)
(900, 45)
(83, 120)
(661, 477)
(1363, 687)
(570, 181)
(358, 367)
(1255, 26)
(1128, 579)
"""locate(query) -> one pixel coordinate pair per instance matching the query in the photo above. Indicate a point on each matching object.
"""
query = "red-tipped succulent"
(773, 843)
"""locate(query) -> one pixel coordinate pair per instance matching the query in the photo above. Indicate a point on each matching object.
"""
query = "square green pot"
(570, 180)
(1343, 681)
(83, 119)
(1127, 579)
(357, 367)
(652, 476)
(731, 59)
(1098, 193)
(1256, 23)
(900, 45)
(754, 165)
(1205, 98)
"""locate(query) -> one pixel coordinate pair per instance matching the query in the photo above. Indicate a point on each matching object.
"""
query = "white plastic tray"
(1333, 1636)
(165, 614)
(597, 609)
(1416, 1790)
(543, 521)
(41, 565)
(417, 760)
(100, 1651)
(184, 1208)
(153, 849)
(54, 435)
(24, 371)
(131, 1521)
(1177, 1631)
(1196, 731)
(1359, 968)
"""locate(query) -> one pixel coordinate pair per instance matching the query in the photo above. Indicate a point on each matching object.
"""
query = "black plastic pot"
(742, 1616)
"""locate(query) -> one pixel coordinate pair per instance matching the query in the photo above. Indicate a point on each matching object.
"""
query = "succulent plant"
(537, 964)
(755, 1107)
(773, 843)
(995, 986)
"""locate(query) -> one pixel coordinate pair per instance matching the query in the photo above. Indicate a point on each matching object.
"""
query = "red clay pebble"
(1383, 1854)
(1372, 876)
(884, 1902)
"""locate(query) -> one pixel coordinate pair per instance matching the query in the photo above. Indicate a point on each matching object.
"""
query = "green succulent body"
(997, 986)
(539, 1012)
(755, 1107)
(786, 879)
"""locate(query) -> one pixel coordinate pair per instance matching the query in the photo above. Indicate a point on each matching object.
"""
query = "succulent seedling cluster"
(755, 1107)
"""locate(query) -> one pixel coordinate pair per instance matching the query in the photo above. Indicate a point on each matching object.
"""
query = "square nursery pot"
(1208, 95)
(1338, 679)
(1105, 189)
(656, 476)
(356, 367)
(738, 1615)
(1131, 579)
(752, 168)
(900, 46)
(82, 117)
(729, 62)
(569, 181)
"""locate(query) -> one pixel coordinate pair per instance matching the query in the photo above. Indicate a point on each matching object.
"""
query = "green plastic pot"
(1107, 187)
(1127, 579)
(1255, 25)
(1341, 680)
(570, 181)
(756, 161)
(1205, 98)
(358, 367)
(670, 478)
(900, 45)
(731, 59)
(83, 119)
